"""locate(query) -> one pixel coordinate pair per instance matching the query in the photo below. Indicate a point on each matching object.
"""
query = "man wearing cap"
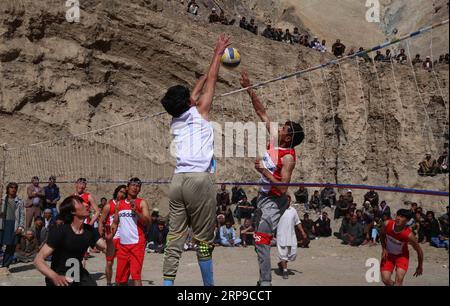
(428, 64)
(52, 196)
(427, 166)
(213, 17)
(395, 237)
(34, 202)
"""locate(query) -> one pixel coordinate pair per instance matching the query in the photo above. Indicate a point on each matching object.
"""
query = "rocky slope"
(365, 124)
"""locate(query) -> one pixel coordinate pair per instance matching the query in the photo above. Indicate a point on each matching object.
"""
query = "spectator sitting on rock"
(417, 60)
(243, 24)
(213, 17)
(27, 248)
(268, 32)
(323, 225)
(442, 162)
(220, 221)
(246, 232)
(301, 196)
(314, 202)
(308, 227)
(279, 35)
(323, 46)
(287, 37)
(159, 238)
(252, 27)
(372, 197)
(304, 41)
(224, 20)
(315, 44)
(338, 48)
(228, 236)
(379, 57)
(428, 64)
(428, 166)
(402, 58)
(364, 55)
(388, 56)
(193, 7)
(296, 36)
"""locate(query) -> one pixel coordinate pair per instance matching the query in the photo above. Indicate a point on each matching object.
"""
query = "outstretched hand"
(222, 43)
(244, 80)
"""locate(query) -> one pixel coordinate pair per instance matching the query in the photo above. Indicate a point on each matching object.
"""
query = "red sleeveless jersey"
(87, 203)
(273, 161)
(397, 242)
(131, 231)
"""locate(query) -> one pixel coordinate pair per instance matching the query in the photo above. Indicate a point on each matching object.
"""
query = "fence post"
(3, 155)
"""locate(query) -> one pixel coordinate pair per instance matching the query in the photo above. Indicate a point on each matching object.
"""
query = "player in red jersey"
(110, 231)
(132, 216)
(395, 237)
(275, 167)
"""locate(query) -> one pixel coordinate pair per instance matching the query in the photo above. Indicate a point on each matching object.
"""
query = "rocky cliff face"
(365, 123)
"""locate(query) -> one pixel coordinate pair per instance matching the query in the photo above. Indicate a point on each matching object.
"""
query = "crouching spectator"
(158, 239)
(308, 227)
(27, 248)
(246, 232)
(354, 232)
(323, 226)
(228, 236)
(428, 166)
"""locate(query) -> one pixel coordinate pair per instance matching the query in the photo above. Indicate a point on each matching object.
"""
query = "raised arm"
(257, 105)
(197, 90)
(205, 100)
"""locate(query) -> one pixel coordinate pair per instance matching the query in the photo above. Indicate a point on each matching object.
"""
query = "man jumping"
(394, 237)
(192, 198)
(276, 166)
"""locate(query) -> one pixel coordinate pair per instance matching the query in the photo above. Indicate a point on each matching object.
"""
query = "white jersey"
(130, 230)
(194, 142)
(286, 228)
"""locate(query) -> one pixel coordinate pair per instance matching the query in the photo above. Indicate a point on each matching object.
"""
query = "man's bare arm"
(415, 244)
(286, 172)
(197, 90)
(96, 209)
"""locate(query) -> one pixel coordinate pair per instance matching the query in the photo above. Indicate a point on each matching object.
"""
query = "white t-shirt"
(286, 228)
(193, 139)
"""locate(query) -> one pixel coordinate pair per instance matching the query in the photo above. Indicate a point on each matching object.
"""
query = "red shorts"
(116, 243)
(395, 261)
(130, 259)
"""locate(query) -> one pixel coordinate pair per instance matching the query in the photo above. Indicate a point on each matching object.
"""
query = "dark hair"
(155, 214)
(305, 215)
(11, 185)
(176, 100)
(38, 218)
(134, 180)
(35, 178)
(116, 191)
(82, 180)
(297, 133)
(430, 212)
(404, 213)
(103, 199)
(67, 208)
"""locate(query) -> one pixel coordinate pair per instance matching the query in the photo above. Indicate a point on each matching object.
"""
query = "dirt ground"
(325, 263)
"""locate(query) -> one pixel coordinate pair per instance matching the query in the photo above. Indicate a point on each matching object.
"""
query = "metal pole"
(3, 149)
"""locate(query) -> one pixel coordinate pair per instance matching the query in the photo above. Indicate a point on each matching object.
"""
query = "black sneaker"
(285, 274)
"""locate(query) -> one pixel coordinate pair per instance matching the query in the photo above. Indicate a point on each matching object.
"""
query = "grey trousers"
(268, 213)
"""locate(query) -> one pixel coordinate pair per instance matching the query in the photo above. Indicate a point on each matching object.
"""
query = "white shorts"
(287, 253)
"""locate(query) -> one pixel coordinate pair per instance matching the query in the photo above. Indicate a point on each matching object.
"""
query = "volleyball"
(231, 58)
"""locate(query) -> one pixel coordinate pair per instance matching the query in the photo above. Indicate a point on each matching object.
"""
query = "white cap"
(213, 9)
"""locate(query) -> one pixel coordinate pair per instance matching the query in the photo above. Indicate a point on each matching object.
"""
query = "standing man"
(276, 166)
(34, 202)
(192, 201)
(88, 200)
(52, 196)
(394, 237)
(12, 224)
(109, 230)
(132, 217)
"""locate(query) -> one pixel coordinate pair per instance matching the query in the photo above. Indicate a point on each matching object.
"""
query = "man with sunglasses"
(275, 167)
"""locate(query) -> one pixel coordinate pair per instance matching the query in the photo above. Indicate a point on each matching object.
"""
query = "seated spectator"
(287, 37)
(223, 200)
(417, 60)
(314, 202)
(308, 227)
(268, 32)
(428, 64)
(315, 44)
(153, 227)
(246, 232)
(296, 36)
(323, 46)
(388, 56)
(301, 196)
(344, 225)
(220, 221)
(351, 52)
(364, 55)
(252, 27)
(245, 210)
(366, 220)
(228, 236)
(338, 48)
(401, 58)
(442, 240)
(158, 240)
(224, 20)
(352, 208)
(323, 225)
(48, 224)
(37, 227)
(278, 36)
(442, 162)
(27, 248)
(379, 57)
(431, 228)
(353, 233)
(384, 209)
(243, 24)
(342, 207)
(328, 197)
(213, 17)
(237, 194)
(367, 209)
(428, 167)
(376, 230)
(372, 197)
(193, 7)
(349, 196)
